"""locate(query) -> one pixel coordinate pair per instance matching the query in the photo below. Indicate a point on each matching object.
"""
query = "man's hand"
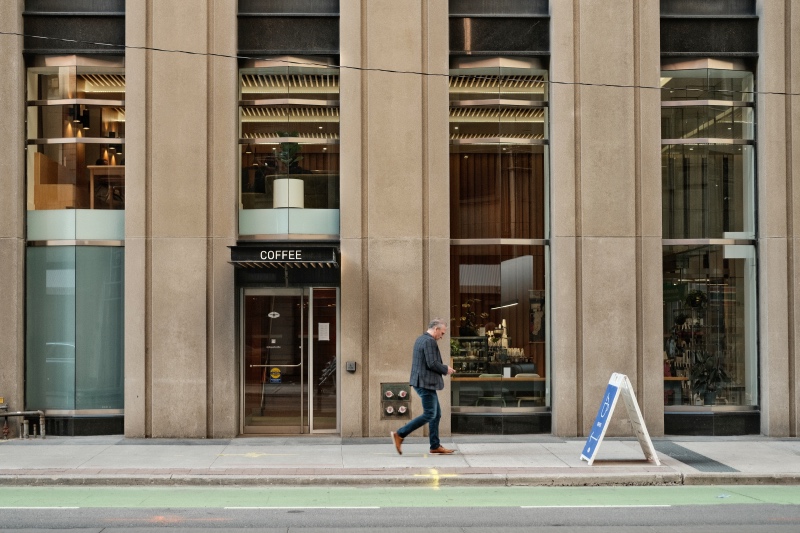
(450, 370)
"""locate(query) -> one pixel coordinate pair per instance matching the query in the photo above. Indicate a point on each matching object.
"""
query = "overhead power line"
(123, 47)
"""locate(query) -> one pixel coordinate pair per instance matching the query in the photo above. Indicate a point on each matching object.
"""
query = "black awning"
(263, 255)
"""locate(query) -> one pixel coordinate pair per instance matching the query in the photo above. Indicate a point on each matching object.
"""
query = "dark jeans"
(431, 414)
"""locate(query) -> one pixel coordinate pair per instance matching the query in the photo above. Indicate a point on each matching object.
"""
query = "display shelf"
(493, 378)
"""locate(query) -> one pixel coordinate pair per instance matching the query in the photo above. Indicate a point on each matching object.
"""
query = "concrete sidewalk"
(479, 460)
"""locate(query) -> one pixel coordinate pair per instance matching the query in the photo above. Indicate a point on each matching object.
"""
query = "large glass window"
(709, 254)
(76, 136)
(289, 148)
(498, 214)
(708, 191)
(75, 153)
(74, 328)
(709, 325)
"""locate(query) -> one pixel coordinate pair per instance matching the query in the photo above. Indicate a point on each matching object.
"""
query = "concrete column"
(606, 209)
(398, 153)
(650, 331)
(564, 181)
(137, 138)
(181, 115)
(223, 164)
(12, 208)
(353, 135)
(792, 56)
(775, 210)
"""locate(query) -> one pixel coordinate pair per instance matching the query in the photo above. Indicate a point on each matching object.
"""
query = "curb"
(443, 480)
(740, 478)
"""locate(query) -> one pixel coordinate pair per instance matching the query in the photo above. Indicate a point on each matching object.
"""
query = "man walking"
(427, 370)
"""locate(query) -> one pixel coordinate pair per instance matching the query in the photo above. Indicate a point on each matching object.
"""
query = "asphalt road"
(443, 510)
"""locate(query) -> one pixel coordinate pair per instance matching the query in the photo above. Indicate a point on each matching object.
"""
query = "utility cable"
(123, 47)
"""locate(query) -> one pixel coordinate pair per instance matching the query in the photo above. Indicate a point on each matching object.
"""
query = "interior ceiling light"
(511, 303)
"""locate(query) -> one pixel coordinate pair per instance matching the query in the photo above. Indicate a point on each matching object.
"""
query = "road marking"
(39, 507)
(435, 476)
(585, 506)
(328, 507)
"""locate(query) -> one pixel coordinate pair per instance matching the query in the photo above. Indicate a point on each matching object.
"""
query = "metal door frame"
(305, 297)
(311, 361)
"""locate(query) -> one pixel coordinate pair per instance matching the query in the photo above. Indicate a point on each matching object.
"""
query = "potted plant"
(468, 326)
(455, 348)
(707, 376)
(288, 155)
(697, 299)
(288, 191)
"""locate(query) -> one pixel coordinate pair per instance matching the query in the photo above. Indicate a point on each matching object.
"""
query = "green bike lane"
(388, 497)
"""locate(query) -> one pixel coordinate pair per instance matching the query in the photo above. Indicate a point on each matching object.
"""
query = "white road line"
(3, 507)
(234, 508)
(585, 506)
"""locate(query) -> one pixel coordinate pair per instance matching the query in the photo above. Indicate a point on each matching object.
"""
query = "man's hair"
(437, 323)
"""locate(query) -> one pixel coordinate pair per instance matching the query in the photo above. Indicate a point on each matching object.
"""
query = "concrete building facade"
(617, 261)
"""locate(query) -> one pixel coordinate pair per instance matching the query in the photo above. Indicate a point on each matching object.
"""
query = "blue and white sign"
(601, 421)
(618, 384)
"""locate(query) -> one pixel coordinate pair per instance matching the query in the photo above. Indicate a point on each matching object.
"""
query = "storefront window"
(289, 148)
(74, 328)
(76, 137)
(685, 84)
(498, 213)
(708, 191)
(709, 254)
(710, 325)
(498, 132)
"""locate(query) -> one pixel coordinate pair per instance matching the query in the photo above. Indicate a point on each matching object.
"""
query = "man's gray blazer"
(427, 368)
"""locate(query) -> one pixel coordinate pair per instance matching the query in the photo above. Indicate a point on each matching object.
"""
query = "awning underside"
(284, 264)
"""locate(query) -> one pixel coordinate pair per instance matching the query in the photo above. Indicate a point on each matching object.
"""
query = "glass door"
(275, 361)
(325, 354)
(290, 353)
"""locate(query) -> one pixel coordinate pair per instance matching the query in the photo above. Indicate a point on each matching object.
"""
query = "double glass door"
(289, 360)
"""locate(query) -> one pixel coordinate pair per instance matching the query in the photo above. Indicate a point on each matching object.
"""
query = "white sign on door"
(324, 333)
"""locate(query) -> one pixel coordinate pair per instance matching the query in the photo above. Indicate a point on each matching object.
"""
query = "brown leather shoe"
(398, 442)
(442, 450)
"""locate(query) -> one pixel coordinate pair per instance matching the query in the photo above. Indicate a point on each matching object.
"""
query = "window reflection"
(707, 84)
(707, 122)
(74, 353)
(708, 191)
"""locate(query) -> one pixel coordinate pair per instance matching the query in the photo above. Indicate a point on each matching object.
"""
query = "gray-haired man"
(427, 370)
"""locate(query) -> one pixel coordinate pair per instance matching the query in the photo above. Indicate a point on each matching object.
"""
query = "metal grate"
(293, 81)
(498, 82)
(104, 82)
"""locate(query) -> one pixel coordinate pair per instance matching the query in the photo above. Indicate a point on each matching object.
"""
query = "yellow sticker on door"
(274, 375)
